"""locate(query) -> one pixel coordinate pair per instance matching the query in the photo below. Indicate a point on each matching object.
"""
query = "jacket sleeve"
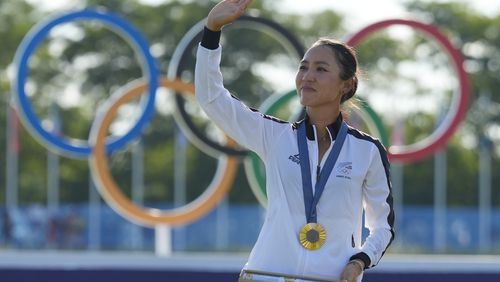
(378, 205)
(248, 127)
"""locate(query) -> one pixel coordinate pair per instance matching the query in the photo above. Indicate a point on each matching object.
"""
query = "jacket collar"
(333, 128)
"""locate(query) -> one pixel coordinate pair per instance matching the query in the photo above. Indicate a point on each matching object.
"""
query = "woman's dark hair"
(346, 57)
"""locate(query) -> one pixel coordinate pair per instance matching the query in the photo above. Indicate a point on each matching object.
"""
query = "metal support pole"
(53, 166)
(163, 240)
(440, 202)
(137, 189)
(484, 194)
(12, 160)
(397, 175)
(181, 144)
(222, 225)
(94, 217)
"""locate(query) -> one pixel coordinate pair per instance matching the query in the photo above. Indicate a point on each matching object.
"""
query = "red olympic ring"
(458, 110)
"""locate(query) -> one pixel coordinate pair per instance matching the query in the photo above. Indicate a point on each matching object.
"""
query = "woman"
(313, 224)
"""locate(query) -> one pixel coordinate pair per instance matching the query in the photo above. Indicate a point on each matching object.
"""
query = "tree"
(96, 62)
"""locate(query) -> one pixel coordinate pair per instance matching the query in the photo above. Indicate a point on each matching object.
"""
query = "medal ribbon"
(311, 201)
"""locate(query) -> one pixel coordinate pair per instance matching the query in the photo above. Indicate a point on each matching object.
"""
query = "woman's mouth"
(308, 89)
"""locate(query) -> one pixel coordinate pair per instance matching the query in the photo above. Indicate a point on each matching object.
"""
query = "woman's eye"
(302, 67)
(321, 69)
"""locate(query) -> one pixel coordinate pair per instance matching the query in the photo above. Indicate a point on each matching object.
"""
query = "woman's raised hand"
(226, 12)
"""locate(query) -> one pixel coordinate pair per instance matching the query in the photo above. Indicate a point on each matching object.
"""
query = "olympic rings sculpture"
(97, 147)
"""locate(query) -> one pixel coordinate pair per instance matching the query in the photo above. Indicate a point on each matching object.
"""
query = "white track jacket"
(360, 181)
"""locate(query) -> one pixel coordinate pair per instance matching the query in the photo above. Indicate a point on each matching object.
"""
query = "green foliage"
(99, 62)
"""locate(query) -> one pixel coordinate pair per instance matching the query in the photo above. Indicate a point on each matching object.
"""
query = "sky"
(357, 13)
(360, 11)
(364, 12)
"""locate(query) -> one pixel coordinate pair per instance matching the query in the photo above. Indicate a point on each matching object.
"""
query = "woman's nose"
(308, 75)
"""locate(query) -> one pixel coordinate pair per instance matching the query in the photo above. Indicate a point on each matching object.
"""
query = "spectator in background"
(73, 227)
(53, 232)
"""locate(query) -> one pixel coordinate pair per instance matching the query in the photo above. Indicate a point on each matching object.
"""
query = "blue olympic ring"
(28, 47)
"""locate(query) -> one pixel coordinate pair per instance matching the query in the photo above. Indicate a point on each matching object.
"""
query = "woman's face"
(318, 79)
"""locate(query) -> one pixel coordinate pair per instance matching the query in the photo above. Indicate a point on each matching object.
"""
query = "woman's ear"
(347, 86)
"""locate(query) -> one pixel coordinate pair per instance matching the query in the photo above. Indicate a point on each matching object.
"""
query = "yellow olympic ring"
(112, 193)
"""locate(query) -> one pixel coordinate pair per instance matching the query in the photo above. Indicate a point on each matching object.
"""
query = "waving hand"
(226, 12)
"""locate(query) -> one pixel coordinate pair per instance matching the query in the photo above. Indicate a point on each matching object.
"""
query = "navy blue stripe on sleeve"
(389, 199)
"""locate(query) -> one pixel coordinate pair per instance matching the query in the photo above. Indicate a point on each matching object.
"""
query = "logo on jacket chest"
(343, 170)
(295, 158)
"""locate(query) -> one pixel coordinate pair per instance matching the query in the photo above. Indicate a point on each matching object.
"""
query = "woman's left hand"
(351, 271)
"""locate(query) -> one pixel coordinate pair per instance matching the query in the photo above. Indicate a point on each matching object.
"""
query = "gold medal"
(312, 236)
